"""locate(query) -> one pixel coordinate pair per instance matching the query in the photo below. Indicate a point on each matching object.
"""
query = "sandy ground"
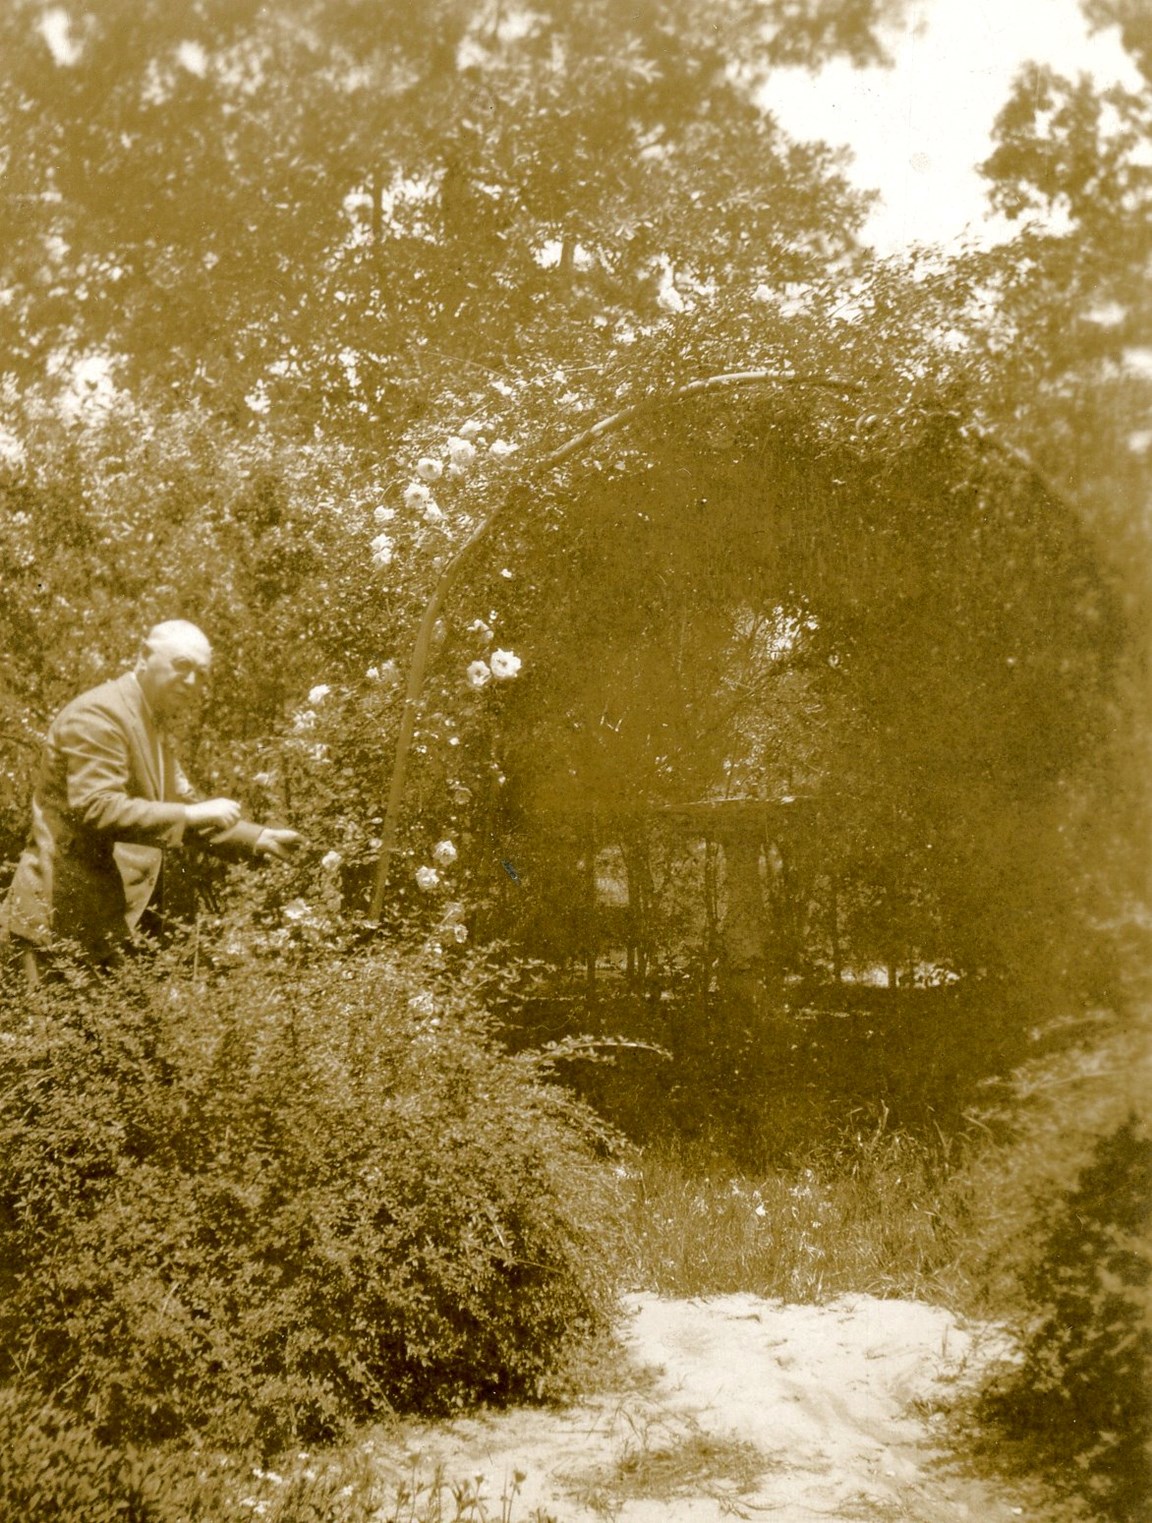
(733, 1407)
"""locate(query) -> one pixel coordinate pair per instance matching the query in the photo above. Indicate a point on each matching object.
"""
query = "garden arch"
(956, 576)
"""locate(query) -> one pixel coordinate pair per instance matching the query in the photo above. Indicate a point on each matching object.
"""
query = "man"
(111, 801)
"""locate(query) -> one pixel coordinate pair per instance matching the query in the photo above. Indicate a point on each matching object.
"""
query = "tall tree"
(342, 203)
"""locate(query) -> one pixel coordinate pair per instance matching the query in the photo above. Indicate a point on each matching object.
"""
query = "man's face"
(172, 672)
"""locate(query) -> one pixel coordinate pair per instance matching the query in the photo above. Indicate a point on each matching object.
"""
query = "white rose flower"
(478, 627)
(444, 852)
(306, 720)
(427, 878)
(330, 861)
(381, 548)
(433, 513)
(504, 664)
(470, 429)
(478, 674)
(461, 451)
(416, 494)
(384, 515)
(318, 694)
(373, 674)
(460, 933)
(296, 910)
(763, 293)
(428, 469)
(501, 447)
(390, 673)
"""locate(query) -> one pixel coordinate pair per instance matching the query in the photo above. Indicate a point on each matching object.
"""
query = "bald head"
(179, 637)
(172, 667)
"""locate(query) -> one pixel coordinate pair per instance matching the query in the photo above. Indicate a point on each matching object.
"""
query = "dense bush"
(1067, 1212)
(267, 1203)
(1083, 1391)
(53, 1466)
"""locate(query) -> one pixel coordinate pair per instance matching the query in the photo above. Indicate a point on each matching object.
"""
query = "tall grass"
(874, 1214)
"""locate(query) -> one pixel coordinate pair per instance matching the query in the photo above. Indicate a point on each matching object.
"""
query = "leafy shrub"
(268, 1203)
(1083, 1391)
(1061, 1219)
(53, 1466)
(50, 1468)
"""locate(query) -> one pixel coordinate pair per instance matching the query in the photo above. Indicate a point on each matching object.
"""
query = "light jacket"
(102, 818)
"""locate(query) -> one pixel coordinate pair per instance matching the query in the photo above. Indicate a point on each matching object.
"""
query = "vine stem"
(422, 648)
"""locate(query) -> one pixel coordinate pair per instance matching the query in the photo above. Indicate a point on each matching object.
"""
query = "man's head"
(172, 667)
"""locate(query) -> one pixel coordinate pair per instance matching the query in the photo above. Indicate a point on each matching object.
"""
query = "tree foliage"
(301, 251)
(230, 196)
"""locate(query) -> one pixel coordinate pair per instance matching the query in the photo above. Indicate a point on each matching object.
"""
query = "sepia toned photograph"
(575, 761)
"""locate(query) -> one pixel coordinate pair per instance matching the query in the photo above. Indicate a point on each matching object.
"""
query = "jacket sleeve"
(98, 758)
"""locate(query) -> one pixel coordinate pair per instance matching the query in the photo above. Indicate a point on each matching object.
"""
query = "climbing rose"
(381, 548)
(478, 674)
(461, 451)
(428, 469)
(319, 693)
(444, 852)
(504, 664)
(501, 447)
(416, 494)
(470, 429)
(427, 878)
(384, 515)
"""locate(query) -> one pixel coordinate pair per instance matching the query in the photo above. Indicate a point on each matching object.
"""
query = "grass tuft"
(872, 1216)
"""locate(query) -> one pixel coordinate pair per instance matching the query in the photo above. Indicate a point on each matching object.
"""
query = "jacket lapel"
(146, 744)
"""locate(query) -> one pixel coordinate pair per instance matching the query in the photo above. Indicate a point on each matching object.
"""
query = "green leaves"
(263, 1208)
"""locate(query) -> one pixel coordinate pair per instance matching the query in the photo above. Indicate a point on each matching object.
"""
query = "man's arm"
(98, 761)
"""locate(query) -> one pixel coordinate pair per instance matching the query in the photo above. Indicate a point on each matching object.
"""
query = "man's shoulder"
(112, 698)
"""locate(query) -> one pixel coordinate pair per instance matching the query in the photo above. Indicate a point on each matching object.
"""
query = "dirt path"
(751, 1409)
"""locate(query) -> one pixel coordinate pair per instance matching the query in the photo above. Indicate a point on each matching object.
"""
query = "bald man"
(111, 801)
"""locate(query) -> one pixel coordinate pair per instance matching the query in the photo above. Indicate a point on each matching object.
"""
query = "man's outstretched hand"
(281, 844)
